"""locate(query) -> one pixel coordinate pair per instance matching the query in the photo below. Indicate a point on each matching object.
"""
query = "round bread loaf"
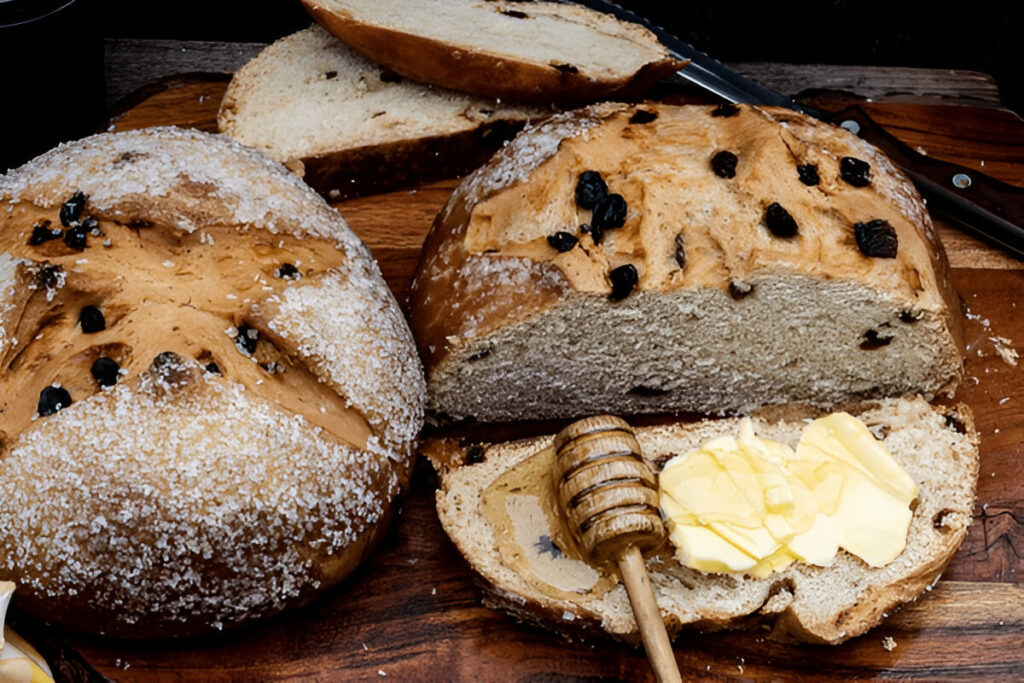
(656, 258)
(209, 398)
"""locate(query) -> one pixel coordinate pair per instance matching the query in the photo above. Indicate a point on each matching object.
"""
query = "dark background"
(53, 81)
(981, 36)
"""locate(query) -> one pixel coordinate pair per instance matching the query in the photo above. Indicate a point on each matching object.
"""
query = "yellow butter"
(753, 505)
(19, 662)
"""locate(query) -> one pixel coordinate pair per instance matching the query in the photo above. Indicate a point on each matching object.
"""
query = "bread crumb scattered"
(1005, 350)
(381, 673)
(889, 643)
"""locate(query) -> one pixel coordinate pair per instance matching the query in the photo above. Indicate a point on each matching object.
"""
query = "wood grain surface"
(412, 611)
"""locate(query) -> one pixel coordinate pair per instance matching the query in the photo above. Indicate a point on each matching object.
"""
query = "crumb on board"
(889, 643)
(1004, 347)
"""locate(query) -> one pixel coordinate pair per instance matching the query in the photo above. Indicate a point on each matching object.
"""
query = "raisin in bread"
(654, 258)
(208, 396)
(497, 503)
(537, 51)
(349, 126)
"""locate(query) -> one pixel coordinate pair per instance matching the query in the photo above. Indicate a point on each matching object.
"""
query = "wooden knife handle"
(990, 208)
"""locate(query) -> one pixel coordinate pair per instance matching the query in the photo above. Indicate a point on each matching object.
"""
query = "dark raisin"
(515, 14)
(779, 222)
(808, 174)
(739, 289)
(596, 233)
(247, 339)
(726, 110)
(545, 545)
(91, 226)
(475, 453)
(390, 77)
(72, 209)
(610, 212)
(724, 164)
(909, 317)
(52, 399)
(876, 238)
(590, 188)
(662, 460)
(48, 275)
(77, 238)
(92, 320)
(855, 172)
(953, 421)
(171, 369)
(287, 271)
(105, 371)
(329, 75)
(479, 354)
(939, 519)
(213, 368)
(873, 341)
(643, 116)
(680, 251)
(566, 68)
(42, 232)
(624, 279)
(562, 241)
(648, 391)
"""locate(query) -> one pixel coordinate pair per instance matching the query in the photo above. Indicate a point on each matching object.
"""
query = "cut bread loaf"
(209, 398)
(763, 257)
(349, 126)
(497, 503)
(538, 51)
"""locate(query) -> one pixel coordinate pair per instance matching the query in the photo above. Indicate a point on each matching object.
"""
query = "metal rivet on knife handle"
(961, 181)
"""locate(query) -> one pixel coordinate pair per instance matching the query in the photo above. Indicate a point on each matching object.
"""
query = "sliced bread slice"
(537, 51)
(496, 502)
(352, 127)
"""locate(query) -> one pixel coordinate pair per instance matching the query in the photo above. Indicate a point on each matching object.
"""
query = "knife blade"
(989, 208)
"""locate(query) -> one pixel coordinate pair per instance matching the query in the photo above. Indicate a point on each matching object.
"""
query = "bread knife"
(985, 206)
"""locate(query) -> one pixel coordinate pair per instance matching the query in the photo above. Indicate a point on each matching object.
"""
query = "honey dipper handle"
(648, 616)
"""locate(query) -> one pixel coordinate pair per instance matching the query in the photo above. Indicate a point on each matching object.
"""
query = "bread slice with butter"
(496, 503)
(350, 126)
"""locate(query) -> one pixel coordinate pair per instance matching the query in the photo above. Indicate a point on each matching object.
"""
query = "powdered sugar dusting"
(8, 282)
(361, 346)
(159, 498)
(185, 178)
(528, 150)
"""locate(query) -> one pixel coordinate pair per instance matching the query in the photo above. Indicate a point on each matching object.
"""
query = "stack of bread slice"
(381, 100)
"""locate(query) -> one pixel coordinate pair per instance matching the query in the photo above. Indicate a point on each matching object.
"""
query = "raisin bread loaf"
(538, 51)
(496, 502)
(349, 126)
(208, 396)
(655, 258)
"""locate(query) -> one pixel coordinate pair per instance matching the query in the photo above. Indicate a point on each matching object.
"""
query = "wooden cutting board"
(412, 611)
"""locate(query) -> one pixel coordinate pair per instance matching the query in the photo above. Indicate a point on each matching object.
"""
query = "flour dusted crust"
(488, 276)
(537, 52)
(263, 419)
(938, 447)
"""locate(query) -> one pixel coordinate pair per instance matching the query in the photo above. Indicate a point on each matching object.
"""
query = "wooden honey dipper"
(609, 497)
